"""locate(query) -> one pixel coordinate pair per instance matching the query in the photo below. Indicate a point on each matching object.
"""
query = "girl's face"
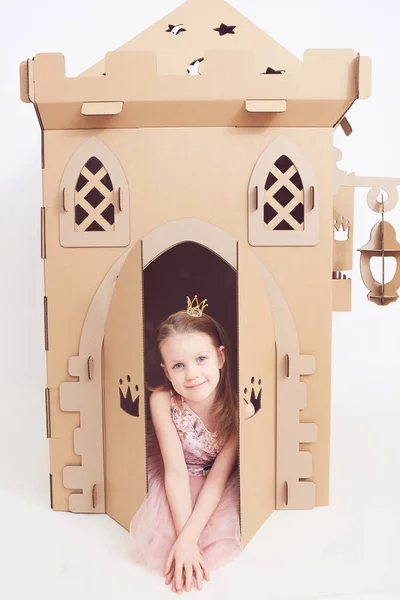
(192, 364)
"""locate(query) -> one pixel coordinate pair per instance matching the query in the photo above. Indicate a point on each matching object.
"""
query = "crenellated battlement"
(328, 79)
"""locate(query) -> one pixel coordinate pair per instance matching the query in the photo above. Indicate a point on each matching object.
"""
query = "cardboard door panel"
(257, 397)
(124, 418)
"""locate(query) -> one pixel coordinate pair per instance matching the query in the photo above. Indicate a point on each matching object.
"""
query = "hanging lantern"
(383, 244)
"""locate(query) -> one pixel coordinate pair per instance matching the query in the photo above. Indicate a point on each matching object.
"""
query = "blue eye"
(200, 357)
(177, 365)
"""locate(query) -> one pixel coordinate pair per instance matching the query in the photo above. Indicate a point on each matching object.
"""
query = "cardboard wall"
(203, 174)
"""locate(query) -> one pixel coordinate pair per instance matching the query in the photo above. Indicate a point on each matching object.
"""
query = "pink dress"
(152, 530)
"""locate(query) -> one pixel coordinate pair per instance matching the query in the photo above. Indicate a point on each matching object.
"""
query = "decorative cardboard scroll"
(294, 489)
(293, 465)
(376, 184)
(382, 243)
(85, 397)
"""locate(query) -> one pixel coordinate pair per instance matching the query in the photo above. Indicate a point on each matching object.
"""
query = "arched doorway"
(115, 427)
(170, 264)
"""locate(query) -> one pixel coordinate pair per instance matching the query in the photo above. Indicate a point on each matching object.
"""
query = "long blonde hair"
(224, 409)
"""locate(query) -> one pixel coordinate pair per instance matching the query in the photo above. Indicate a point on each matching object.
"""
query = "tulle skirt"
(152, 532)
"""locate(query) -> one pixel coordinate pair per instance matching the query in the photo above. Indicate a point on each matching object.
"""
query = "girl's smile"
(192, 363)
(191, 387)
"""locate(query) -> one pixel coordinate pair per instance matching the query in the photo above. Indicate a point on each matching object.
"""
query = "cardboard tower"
(198, 159)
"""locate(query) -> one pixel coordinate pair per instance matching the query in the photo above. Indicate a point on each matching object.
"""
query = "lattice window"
(283, 197)
(94, 198)
(283, 200)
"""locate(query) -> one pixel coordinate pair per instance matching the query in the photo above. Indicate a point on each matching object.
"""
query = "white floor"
(347, 550)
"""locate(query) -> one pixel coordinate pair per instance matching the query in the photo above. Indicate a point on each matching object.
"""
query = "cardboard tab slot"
(266, 106)
(94, 496)
(286, 492)
(312, 197)
(43, 232)
(46, 328)
(102, 108)
(90, 366)
(51, 490)
(345, 125)
(48, 422)
(287, 365)
(65, 199)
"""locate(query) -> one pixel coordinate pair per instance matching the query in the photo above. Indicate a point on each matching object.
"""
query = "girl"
(188, 523)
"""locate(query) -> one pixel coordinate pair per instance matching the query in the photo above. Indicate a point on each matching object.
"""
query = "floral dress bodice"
(200, 447)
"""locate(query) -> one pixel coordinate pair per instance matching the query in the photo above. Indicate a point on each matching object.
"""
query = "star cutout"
(193, 68)
(224, 29)
(270, 71)
(175, 29)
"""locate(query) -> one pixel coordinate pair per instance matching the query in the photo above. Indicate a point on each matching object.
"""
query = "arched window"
(283, 206)
(94, 199)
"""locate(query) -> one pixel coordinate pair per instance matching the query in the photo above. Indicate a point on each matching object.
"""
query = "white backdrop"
(350, 549)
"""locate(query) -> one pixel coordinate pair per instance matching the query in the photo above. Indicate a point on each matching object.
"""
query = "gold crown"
(195, 310)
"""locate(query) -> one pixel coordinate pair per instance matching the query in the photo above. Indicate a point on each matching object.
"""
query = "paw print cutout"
(128, 405)
(252, 398)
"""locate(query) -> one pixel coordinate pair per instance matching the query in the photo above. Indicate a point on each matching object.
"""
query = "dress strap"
(174, 400)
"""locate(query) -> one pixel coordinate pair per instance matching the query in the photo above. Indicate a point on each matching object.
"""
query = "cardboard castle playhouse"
(198, 159)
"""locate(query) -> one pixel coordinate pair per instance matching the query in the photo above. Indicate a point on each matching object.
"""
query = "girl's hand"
(184, 559)
(170, 578)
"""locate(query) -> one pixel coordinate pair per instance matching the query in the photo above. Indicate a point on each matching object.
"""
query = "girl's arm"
(180, 564)
(184, 552)
(212, 491)
(176, 476)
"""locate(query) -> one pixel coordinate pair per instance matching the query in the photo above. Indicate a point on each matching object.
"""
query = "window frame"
(120, 236)
(257, 234)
